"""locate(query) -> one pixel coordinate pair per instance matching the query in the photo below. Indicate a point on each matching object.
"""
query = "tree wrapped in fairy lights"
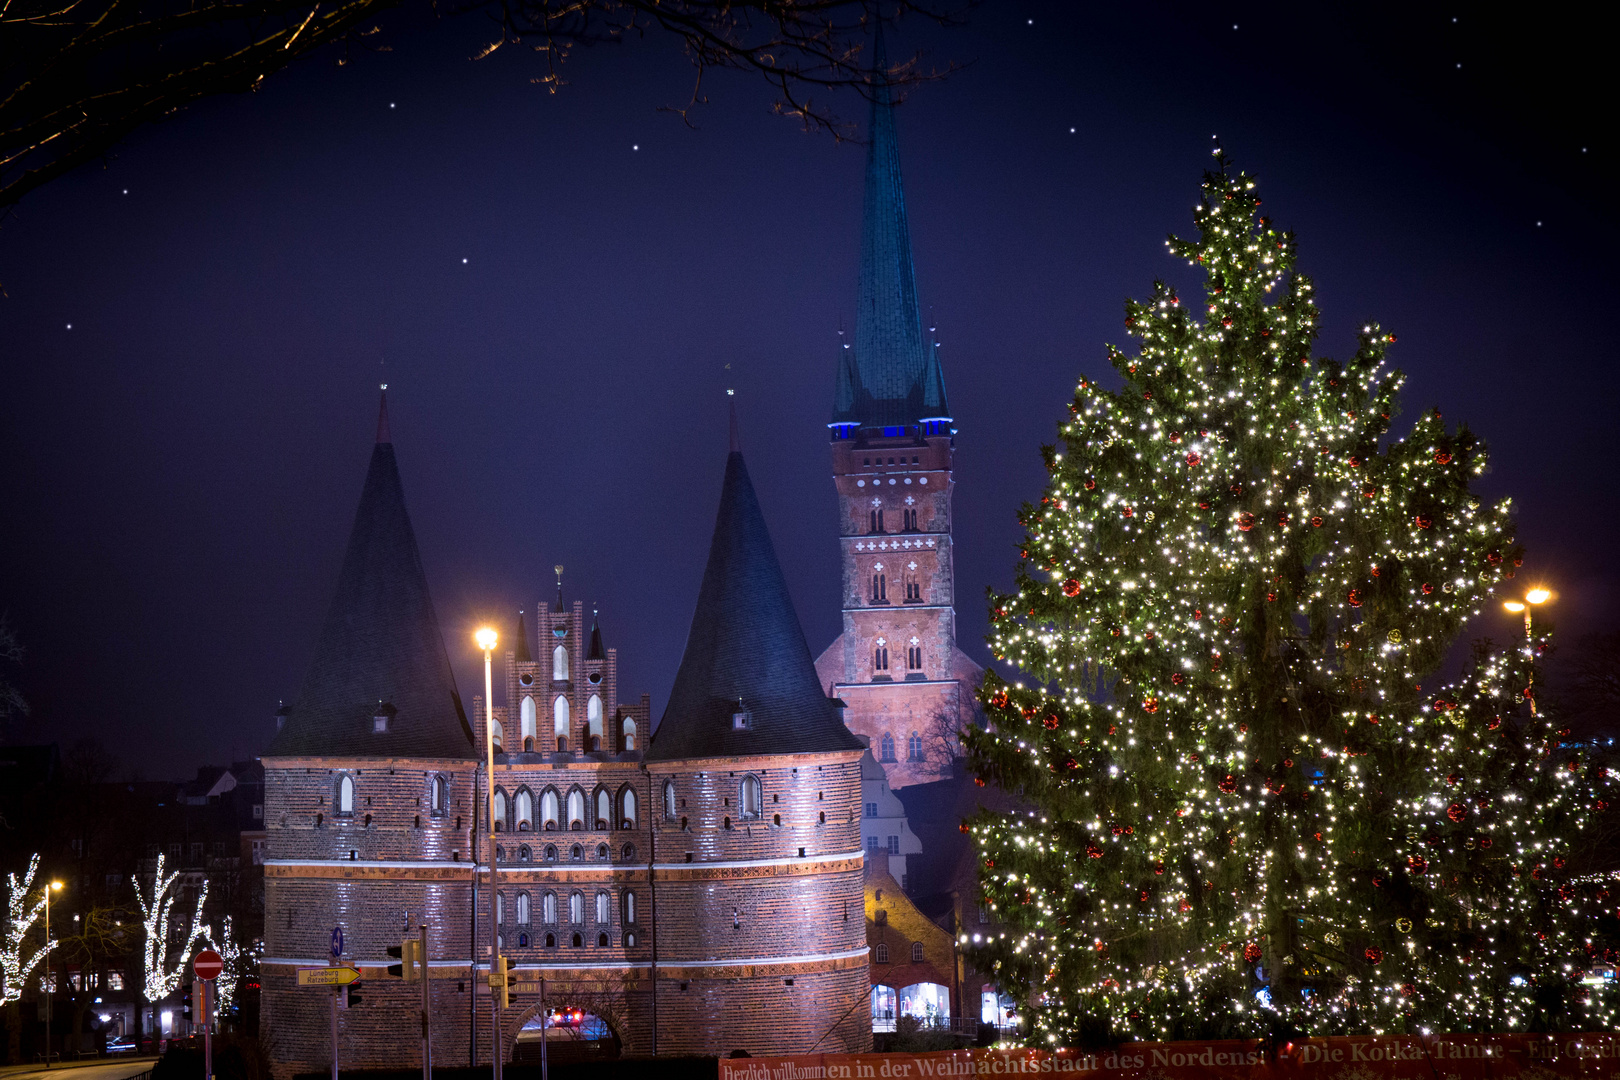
(1254, 808)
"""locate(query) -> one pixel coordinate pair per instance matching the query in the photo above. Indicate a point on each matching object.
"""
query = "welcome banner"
(1402, 1057)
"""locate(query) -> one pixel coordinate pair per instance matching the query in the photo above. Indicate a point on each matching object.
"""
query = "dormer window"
(381, 718)
(742, 720)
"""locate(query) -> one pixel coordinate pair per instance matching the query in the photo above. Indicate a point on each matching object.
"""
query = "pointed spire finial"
(736, 440)
(382, 418)
(558, 569)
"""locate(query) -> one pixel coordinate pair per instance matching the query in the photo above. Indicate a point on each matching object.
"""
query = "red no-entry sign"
(207, 964)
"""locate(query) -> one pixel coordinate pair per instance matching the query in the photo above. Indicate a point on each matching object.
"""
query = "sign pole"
(208, 1029)
(427, 1037)
(545, 1074)
(336, 990)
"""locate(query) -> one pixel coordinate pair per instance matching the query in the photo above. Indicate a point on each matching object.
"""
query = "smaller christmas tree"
(1275, 817)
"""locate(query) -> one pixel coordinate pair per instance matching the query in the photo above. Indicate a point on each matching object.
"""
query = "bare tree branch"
(77, 77)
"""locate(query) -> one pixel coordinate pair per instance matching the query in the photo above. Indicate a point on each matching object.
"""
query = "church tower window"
(914, 655)
(559, 664)
(669, 800)
(880, 585)
(604, 809)
(548, 910)
(500, 811)
(888, 747)
(629, 734)
(627, 807)
(345, 796)
(914, 748)
(439, 796)
(548, 808)
(559, 716)
(530, 733)
(525, 810)
(576, 908)
(750, 798)
(576, 809)
(593, 720)
(880, 656)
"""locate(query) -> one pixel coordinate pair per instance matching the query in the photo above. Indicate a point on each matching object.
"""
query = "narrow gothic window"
(500, 811)
(880, 656)
(669, 800)
(548, 910)
(913, 589)
(880, 588)
(559, 725)
(877, 521)
(439, 796)
(888, 747)
(914, 751)
(345, 795)
(750, 797)
(559, 664)
(914, 658)
(548, 809)
(529, 730)
(629, 913)
(576, 908)
(604, 909)
(627, 808)
(629, 734)
(523, 909)
(593, 720)
(604, 809)
(576, 809)
(911, 520)
(525, 811)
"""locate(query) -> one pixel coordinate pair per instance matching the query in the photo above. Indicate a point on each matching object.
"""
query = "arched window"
(750, 797)
(529, 729)
(911, 520)
(604, 909)
(669, 800)
(345, 795)
(875, 520)
(439, 796)
(628, 853)
(628, 908)
(593, 718)
(627, 807)
(551, 853)
(888, 747)
(629, 734)
(523, 909)
(523, 941)
(914, 751)
(551, 941)
(880, 656)
(559, 664)
(500, 853)
(576, 853)
(601, 941)
(576, 908)
(604, 809)
(914, 656)
(579, 941)
(525, 810)
(559, 726)
(576, 809)
(524, 854)
(881, 953)
(548, 909)
(500, 909)
(916, 952)
(630, 939)
(880, 587)
(500, 810)
(601, 851)
(548, 808)
(498, 733)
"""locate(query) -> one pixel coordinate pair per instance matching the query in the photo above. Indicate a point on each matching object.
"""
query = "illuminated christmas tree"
(1255, 807)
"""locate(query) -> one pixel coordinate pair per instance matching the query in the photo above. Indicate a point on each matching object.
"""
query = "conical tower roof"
(746, 646)
(596, 652)
(520, 651)
(381, 651)
(893, 379)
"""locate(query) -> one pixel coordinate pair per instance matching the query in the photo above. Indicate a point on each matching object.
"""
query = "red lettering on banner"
(1465, 1057)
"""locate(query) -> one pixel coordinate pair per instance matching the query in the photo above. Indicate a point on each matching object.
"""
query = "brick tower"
(896, 665)
(369, 807)
(757, 828)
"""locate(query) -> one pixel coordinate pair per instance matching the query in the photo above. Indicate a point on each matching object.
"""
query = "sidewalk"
(81, 1063)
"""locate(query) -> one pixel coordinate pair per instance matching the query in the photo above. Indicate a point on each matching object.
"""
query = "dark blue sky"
(180, 469)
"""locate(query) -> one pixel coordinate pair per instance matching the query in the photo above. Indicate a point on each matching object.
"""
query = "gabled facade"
(896, 666)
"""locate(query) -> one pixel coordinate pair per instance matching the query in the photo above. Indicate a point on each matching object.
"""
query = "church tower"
(896, 666)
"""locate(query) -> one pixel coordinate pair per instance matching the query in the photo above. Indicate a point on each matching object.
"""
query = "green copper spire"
(893, 376)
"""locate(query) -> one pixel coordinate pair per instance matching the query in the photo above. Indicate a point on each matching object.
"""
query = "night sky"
(558, 289)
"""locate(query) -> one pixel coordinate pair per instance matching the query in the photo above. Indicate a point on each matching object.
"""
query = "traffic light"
(408, 953)
(501, 967)
(353, 992)
(188, 1002)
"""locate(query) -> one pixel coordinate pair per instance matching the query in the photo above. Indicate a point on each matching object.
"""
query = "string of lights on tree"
(159, 978)
(17, 962)
(1253, 808)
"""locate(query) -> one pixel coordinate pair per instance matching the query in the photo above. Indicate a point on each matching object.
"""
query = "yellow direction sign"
(327, 976)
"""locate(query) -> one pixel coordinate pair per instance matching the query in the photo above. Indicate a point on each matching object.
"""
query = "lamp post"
(1531, 599)
(49, 983)
(486, 640)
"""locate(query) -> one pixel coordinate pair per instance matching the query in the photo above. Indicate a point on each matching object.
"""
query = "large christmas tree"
(1254, 806)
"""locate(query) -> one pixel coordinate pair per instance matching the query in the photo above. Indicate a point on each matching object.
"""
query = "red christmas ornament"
(1128, 512)
(962, 827)
(1456, 811)
(1282, 521)
(1151, 704)
(1051, 721)
(1417, 864)
(1427, 588)
(1158, 868)
(1229, 785)
(1071, 588)
(1355, 462)
(1494, 558)
(1374, 954)
(978, 781)
(1485, 842)
(1442, 458)
(1147, 395)
(1090, 484)
(1178, 678)
(1316, 521)
(1408, 990)
(1251, 952)
(1423, 521)
(1193, 459)
(1354, 597)
(1093, 851)
(1245, 521)
(1203, 506)
(1175, 436)
(1369, 491)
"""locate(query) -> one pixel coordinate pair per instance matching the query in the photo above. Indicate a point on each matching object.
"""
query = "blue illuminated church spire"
(891, 377)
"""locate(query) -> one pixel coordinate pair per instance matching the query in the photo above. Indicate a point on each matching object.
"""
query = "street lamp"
(49, 983)
(1535, 596)
(486, 639)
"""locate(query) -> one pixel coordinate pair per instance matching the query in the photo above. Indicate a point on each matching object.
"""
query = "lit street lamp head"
(1538, 596)
(56, 885)
(485, 638)
(1513, 606)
